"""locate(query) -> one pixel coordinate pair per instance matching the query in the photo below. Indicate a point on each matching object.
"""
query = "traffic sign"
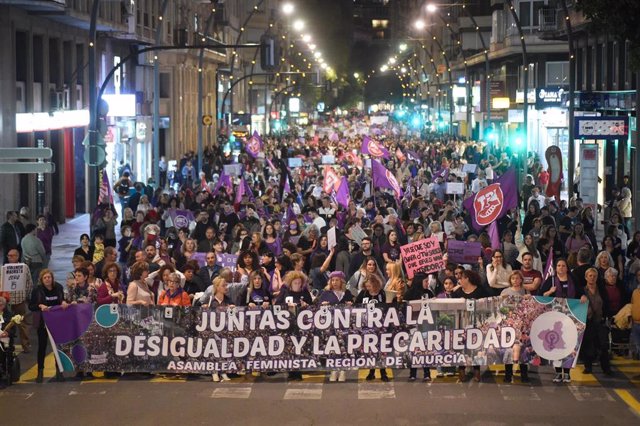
(26, 153)
(100, 156)
(25, 167)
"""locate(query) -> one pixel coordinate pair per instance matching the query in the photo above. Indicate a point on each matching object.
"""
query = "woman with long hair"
(271, 239)
(391, 249)
(368, 267)
(608, 245)
(561, 285)
(247, 262)
(498, 273)
(396, 282)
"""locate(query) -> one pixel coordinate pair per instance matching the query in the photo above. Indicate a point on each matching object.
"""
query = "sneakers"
(333, 376)
(558, 378)
(566, 378)
(426, 378)
(412, 378)
(215, 377)
(225, 378)
(342, 376)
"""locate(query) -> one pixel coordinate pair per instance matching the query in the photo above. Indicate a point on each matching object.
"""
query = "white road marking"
(231, 392)
(376, 391)
(308, 391)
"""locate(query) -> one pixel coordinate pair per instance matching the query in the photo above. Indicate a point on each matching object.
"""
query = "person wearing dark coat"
(418, 290)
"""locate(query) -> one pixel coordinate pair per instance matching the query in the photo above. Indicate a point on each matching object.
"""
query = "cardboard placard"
(463, 252)
(422, 256)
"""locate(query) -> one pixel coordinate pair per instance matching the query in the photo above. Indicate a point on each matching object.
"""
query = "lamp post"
(156, 99)
(525, 72)
(572, 88)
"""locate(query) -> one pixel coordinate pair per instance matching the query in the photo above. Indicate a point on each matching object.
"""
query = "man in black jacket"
(10, 235)
(366, 249)
(208, 272)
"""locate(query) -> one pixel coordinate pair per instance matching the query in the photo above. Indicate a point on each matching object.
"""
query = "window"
(165, 85)
(379, 23)
(529, 12)
(557, 73)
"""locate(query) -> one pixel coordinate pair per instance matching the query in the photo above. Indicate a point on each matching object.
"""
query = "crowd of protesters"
(276, 219)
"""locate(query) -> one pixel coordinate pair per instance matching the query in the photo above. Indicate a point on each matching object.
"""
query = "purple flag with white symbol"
(494, 201)
(254, 145)
(374, 149)
(383, 178)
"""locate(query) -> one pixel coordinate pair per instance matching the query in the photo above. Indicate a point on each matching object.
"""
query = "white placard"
(331, 238)
(469, 168)
(14, 277)
(233, 169)
(455, 188)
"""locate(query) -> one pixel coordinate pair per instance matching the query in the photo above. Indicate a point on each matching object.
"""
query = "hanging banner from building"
(422, 256)
(435, 332)
(602, 127)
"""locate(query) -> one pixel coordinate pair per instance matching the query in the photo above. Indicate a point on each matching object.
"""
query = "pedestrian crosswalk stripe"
(49, 370)
(304, 391)
(632, 402)
(376, 391)
(231, 392)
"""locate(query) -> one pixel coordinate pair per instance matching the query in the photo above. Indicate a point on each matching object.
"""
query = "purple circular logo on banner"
(181, 222)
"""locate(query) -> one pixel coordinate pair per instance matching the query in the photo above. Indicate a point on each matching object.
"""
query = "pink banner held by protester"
(331, 180)
(422, 256)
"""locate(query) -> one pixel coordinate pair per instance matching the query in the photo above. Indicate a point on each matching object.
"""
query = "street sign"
(26, 153)
(25, 167)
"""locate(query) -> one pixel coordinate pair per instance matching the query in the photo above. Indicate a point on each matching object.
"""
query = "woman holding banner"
(470, 288)
(561, 285)
(174, 294)
(368, 268)
(418, 290)
(46, 295)
(395, 284)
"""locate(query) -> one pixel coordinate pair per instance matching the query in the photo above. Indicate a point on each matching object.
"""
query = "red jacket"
(179, 298)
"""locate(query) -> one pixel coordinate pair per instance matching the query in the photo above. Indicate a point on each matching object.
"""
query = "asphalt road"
(247, 400)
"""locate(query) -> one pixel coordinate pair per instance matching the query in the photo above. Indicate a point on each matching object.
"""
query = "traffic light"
(490, 134)
(269, 55)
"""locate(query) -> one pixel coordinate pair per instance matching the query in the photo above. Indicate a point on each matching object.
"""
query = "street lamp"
(317, 55)
(298, 25)
(312, 47)
(384, 68)
(403, 47)
(403, 70)
(431, 8)
(287, 8)
(392, 60)
(306, 38)
(420, 25)
(356, 75)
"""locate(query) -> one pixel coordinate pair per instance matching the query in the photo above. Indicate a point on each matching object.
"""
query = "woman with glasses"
(174, 294)
(498, 273)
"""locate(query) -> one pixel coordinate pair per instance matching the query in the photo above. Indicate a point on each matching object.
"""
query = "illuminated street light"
(356, 75)
(403, 47)
(306, 38)
(431, 8)
(384, 68)
(298, 25)
(323, 66)
(392, 60)
(420, 25)
(317, 55)
(312, 47)
(403, 70)
(287, 8)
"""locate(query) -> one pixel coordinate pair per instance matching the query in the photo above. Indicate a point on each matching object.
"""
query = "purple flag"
(247, 190)
(181, 218)
(240, 191)
(412, 155)
(548, 269)
(494, 201)
(374, 149)
(442, 173)
(254, 145)
(342, 196)
(223, 181)
(493, 235)
(289, 216)
(383, 178)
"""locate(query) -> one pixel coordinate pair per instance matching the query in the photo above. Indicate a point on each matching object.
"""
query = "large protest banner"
(422, 256)
(434, 332)
(464, 252)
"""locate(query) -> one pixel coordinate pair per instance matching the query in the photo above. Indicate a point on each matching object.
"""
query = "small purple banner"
(464, 252)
